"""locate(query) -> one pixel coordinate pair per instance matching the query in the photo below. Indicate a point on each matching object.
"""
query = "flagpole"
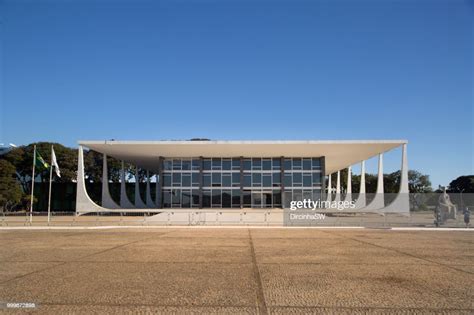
(32, 184)
(50, 181)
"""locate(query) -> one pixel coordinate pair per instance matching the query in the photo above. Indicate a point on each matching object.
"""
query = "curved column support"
(328, 196)
(138, 199)
(84, 203)
(157, 189)
(338, 187)
(149, 201)
(348, 196)
(401, 203)
(107, 200)
(361, 200)
(124, 201)
(378, 201)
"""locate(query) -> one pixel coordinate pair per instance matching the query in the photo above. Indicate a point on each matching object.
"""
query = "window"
(226, 199)
(186, 199)
(195, 199)
(247, 198)
(297, 178)
(276, 198)
(267, 180)
(226, 180)
(267, 164)
(226, 164)
(247, 180)
(247, 164)
(235, 198)
(316, 179)
(276, 179)
(256, 179)
(216, 164)
(256, 199)
(316, 163)
(186, 165)
(206, 180)
(276, 163)
(167, 180)
(267, 199)
(206, 198)
(206, 164)
(306, 164)
(176, 179)
(196, 164)
(167, 198)
(195, 179)
(296, 163)
(167, 165)
(176, 198)
(307, 180)
(216, 179)
(287, 165)
(235, 179)
(216, 198)
(288, 180)
(177, 165)
(236, 164)
(256, 164)
(186, 180)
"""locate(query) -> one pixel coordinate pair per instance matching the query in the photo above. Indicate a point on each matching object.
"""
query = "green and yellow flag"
(39, 161)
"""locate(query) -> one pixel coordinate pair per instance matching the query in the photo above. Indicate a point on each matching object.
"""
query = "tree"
(462, 183)
(22, 160)
(10, 189)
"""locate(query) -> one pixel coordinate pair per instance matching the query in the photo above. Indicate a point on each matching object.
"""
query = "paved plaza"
(237, 270)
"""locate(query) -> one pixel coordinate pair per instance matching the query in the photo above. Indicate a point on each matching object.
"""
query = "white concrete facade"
(324, 148)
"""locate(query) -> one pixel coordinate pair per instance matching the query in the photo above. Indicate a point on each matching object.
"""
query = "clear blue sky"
(150, 70)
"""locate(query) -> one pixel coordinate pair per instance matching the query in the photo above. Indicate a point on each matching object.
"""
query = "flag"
(54, 163)
(39, 161)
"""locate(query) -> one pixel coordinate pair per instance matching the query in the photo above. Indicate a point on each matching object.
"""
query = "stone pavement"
(241, 270)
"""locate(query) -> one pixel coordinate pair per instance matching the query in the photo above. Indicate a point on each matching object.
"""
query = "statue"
(446, 209)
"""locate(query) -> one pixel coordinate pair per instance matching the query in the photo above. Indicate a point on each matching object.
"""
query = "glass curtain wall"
(239, 182)
(302, 179)
(180, 186)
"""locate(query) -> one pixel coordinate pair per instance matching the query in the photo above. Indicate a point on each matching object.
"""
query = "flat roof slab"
(339, 153)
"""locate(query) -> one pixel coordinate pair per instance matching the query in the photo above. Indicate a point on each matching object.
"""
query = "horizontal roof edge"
(189, 142)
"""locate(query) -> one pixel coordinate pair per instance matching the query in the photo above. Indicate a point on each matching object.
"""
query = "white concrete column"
(149, 202)
(124, 201)
(401, 203)
(378, 201)
(380, 175)
(348, 196)
(338, 187)
(404, 188)
(107, 201)
(138, 199)
(329, 189)
(84, 203)
(361, 200)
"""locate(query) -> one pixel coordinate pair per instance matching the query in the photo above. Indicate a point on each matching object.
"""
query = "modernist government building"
(206, 174)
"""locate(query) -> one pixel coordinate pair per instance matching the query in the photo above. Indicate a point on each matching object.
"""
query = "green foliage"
(10, 189)
(462, 183)
(22, 159)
